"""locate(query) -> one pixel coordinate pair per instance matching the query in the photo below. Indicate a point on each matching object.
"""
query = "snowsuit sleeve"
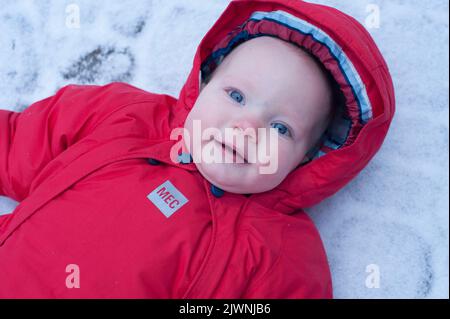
(301, 270)
(32, 138)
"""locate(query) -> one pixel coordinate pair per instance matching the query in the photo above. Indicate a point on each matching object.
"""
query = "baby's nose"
(248, 127)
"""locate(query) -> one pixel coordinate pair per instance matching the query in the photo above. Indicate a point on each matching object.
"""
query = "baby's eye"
(236, 95)
(282, 129)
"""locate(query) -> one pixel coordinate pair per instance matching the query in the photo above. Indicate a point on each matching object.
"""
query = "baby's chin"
(238, 178)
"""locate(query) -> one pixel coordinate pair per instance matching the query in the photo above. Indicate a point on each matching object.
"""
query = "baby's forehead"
(262, 86)
(269, 49)
(272, 59)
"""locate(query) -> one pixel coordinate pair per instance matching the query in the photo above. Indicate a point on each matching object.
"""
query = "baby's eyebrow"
(294, 120)
(239, 80)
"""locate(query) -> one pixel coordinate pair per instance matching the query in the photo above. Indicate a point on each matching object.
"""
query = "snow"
(393, 216)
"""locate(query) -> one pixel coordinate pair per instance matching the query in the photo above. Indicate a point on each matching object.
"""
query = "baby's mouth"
(235, 154)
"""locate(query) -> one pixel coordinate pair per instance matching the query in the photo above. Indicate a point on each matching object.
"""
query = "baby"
(265, 82)
(109, 210)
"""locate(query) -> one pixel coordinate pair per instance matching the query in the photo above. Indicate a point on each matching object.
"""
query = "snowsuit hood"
(347, 51)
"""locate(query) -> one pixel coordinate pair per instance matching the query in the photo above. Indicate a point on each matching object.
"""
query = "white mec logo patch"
(167, 198)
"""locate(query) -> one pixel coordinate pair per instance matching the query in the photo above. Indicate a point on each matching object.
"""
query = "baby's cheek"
(268, 179)
(282, 158)
(211, 112)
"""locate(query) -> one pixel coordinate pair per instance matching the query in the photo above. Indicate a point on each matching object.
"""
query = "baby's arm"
(31, 139)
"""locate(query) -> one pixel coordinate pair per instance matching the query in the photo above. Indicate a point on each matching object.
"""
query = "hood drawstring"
(153, 161)
(186, 158)
(216, 191)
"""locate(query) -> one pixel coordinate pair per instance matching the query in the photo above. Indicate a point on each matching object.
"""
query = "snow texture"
(392, 218)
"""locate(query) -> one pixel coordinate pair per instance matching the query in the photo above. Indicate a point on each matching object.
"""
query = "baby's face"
(263, 83)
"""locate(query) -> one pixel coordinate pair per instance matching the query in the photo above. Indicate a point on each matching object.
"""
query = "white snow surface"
(394, 216)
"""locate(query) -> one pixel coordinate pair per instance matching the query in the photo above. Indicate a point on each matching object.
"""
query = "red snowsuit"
(98, 191)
